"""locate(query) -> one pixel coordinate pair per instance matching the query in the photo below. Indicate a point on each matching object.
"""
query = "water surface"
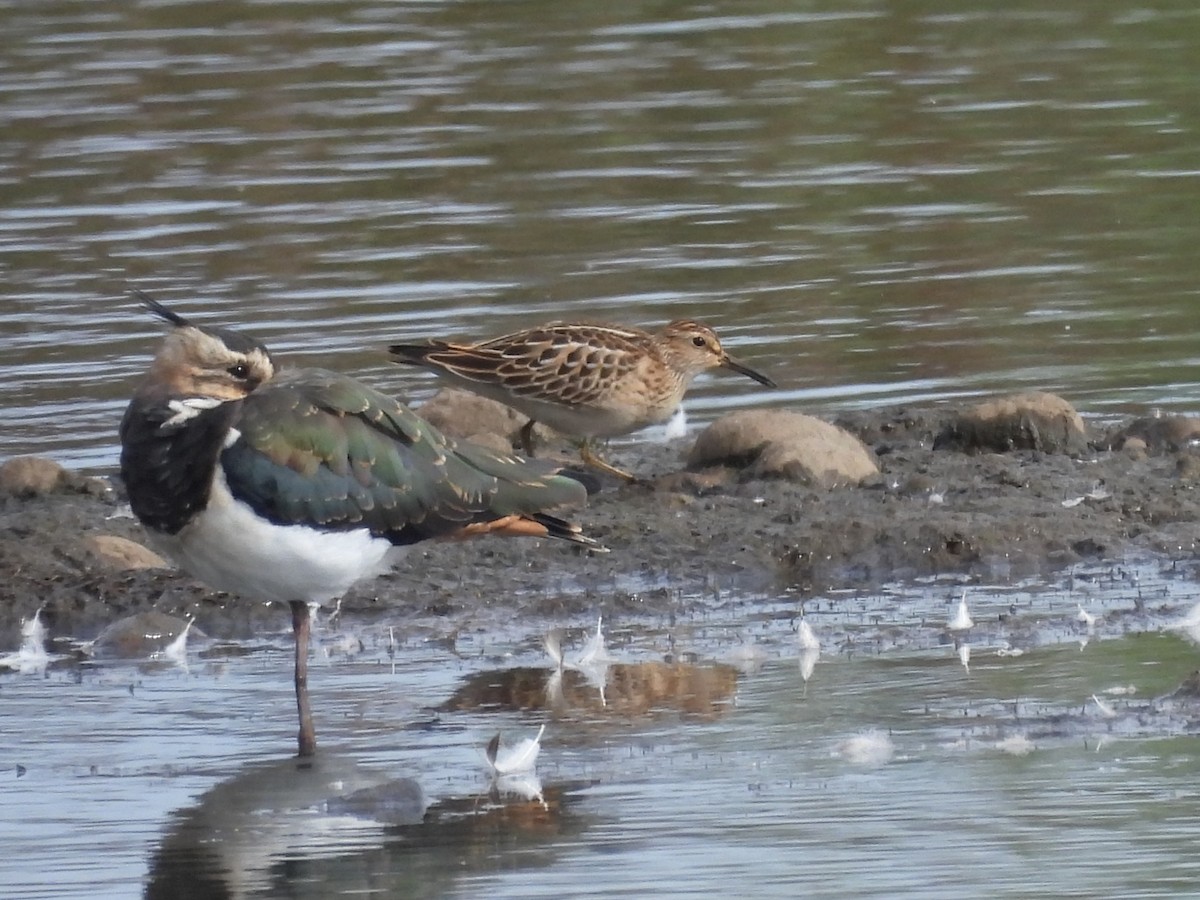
(704, 755)
(874, 203)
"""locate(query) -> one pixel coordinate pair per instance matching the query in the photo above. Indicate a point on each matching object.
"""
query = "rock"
(122, 554)
(466, 416)
(780, 444)
(1166, 434)
(702, 482)
(1135, 448)
(29, 476)
(141, 635)
(1033, 421)
(1187, 468)
(461, 414)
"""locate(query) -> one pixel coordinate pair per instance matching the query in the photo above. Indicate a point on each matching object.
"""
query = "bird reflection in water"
(631, 690)
(327, 826)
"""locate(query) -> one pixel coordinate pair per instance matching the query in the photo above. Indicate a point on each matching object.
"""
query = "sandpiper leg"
(591, 459)
(527, 438)
(301, 622)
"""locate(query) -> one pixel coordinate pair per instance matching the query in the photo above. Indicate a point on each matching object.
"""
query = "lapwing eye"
(241, 371)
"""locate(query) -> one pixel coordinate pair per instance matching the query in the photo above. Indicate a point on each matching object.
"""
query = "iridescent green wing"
(320, 449)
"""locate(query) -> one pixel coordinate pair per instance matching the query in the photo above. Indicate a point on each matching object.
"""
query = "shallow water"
(873, 204)
(704, 757)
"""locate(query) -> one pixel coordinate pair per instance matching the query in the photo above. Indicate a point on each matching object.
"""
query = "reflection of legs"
(301, 624)
(591, 459)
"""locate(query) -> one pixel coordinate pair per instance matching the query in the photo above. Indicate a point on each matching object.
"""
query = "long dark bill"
(741, 368)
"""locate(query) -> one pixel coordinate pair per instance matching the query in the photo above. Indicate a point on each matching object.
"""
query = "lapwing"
(291, 485)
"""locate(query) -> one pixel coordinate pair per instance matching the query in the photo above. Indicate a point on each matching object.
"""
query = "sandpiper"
(586, 381)
(292, 485)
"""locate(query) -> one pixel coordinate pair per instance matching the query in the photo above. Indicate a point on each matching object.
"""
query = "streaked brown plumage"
(584, 380)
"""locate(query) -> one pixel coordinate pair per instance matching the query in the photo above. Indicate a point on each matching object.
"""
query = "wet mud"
(679, 541)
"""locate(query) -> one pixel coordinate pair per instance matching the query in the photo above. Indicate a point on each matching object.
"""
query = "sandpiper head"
(692, 348)
(196, 361)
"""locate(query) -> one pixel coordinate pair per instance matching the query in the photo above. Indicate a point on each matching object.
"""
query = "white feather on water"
(592, 662)
(1106, 709)
(176, 651)
(962, 616)
(31, 657)
(871, 749)
(1016, 745)
(1189, 624)
(810, 650)
(807, 637)
(808, 663)
(518, 759)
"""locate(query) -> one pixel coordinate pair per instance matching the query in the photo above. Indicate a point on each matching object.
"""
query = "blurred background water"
(875, 202)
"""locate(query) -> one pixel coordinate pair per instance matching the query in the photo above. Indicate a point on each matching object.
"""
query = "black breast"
(168, 469)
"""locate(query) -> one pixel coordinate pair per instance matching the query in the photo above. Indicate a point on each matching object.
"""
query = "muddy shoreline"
(676, 541)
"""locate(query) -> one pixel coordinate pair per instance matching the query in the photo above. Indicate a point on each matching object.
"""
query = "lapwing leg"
(591, 459)
(527, 438)
(301, 626)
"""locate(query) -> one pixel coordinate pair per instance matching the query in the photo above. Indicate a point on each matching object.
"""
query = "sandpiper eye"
(241, 371)
(699, 341)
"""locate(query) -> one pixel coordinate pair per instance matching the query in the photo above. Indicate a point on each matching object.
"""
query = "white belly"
(230, 549)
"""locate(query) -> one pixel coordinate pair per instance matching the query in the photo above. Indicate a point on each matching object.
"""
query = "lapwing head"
(201, 362)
